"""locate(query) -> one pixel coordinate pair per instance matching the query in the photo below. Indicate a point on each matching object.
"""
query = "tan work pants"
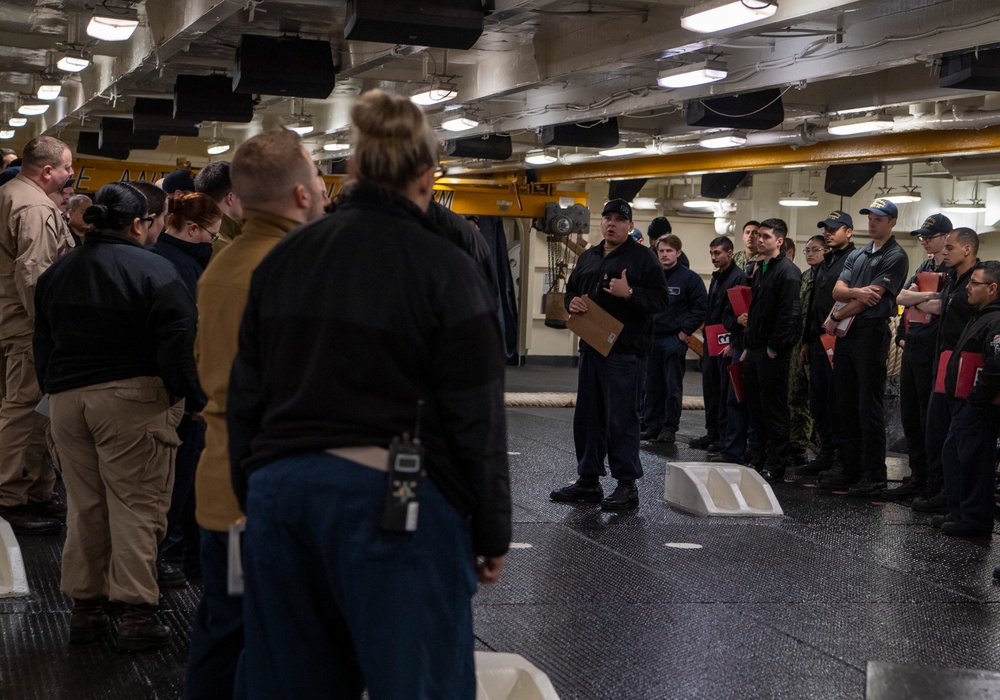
(116, 442)
(25, 473)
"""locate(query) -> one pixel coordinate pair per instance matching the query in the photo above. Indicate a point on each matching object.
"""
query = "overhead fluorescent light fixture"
(6, 134)
(974, 206)
(700, 203)
(794, 200)
(539, 158)
(218, 147)
(644, 203)
(436, 95)
(460, 122)
(48, 91)
(907, 196)
(302, 128)
(113, 23)
(33, 109)
(334, 146)
(861, 125)
(725, 14)
(622, 151)
(17, 122)
(73, 62)
(730, 140)
(693, 74)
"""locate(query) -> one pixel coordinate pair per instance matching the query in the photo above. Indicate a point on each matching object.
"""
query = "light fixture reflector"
(73, 62)
(731, 140)
(860, 125)
(6, 134)
(700, 203)
(693, 74)
(33, 109)
(794, 201)
(336, 146)
(460, 122)
(726, 14)
(116, 28)
(436, 95)
(48, 91)
(302, 129)
(217, 147)
(17, 122)
(622, 151)
(540, 158)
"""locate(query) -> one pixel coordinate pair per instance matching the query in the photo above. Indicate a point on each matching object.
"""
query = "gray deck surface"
(794, 607)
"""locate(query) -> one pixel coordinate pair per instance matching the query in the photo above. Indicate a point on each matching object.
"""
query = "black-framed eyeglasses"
(929, 237)
(213, 234)
(980, 284)
(148, 219)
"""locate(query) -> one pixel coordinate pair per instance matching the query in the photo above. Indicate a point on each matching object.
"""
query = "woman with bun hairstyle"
(193, 223)
(114, 328)
(344, 350)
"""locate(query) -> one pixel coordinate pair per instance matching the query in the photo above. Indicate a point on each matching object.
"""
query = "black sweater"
(774, 318)
(112, 310)
(592, 276)
(352, 319)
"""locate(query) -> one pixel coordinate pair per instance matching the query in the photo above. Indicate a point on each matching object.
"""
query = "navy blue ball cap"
(882, 207)
(933, 225)
(618, 206)
(836, 219)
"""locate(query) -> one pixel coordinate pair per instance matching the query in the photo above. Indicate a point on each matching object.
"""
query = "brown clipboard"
(597, 328)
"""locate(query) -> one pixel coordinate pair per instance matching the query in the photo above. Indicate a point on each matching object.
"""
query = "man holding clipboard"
(621, 278)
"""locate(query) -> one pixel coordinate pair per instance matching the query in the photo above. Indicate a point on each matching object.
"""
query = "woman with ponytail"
(362, 327)
(114, 328)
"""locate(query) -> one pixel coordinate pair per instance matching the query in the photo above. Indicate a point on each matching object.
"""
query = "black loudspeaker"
(753, 110)
(625, 189)
(152, 116)
(492, 147)
(971, 71)
(587, 134)
(846, 180)
(88, 145)
(445, 24)
(721, 185)
(284, 66)
(117, 133)
(199, 98)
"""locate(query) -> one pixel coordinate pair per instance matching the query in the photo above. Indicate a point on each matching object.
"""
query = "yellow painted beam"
(905, 146)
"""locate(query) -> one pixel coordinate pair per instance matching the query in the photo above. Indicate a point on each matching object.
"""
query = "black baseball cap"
(618, 206)
(836, 219)
(933, 225)
(882, 207)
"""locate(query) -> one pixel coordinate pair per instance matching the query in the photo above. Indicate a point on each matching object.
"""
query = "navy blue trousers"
(333, 604)
(665, 383)
(823, 399)
(217, 631)
(766, 382)
(715, 388)
(968, 461)
(859, 371)
(916, 376)
(606, 423)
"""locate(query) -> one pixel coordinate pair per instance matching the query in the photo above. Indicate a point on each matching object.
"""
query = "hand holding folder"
(597, 328)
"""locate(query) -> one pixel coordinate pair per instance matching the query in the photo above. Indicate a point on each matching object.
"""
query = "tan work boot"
(87, 620)
(138, 630)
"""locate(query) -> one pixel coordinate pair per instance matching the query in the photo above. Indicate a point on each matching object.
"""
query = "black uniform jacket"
(774, 319)
(981, 336)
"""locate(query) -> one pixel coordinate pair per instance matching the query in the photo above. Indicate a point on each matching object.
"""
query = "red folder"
(942, 369)
(970, 364)
(736, 380)
(926, 282)
(829, 342)
(717, 339)
(739, 297)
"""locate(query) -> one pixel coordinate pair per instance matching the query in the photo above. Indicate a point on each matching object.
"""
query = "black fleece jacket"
(351, 320)
(981, 336)
(592, 276)
(112, 310)
(774, 319)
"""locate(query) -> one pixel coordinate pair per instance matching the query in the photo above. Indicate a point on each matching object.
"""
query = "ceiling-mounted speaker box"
(752, 110)
(625, 189)
(153, 116)
(88, 145)
(200, 98)
(444, 24)
(585, 135)
(978, 70)
(288, 66)
(117, 133)
(847, 180)
(721, 185)
(490, 147)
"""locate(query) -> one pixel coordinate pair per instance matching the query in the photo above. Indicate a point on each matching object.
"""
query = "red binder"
(736, 380)
(739, 297)
(717, 339)
(970, 364)
(942, 369)
(926, 282)
(829, 342)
